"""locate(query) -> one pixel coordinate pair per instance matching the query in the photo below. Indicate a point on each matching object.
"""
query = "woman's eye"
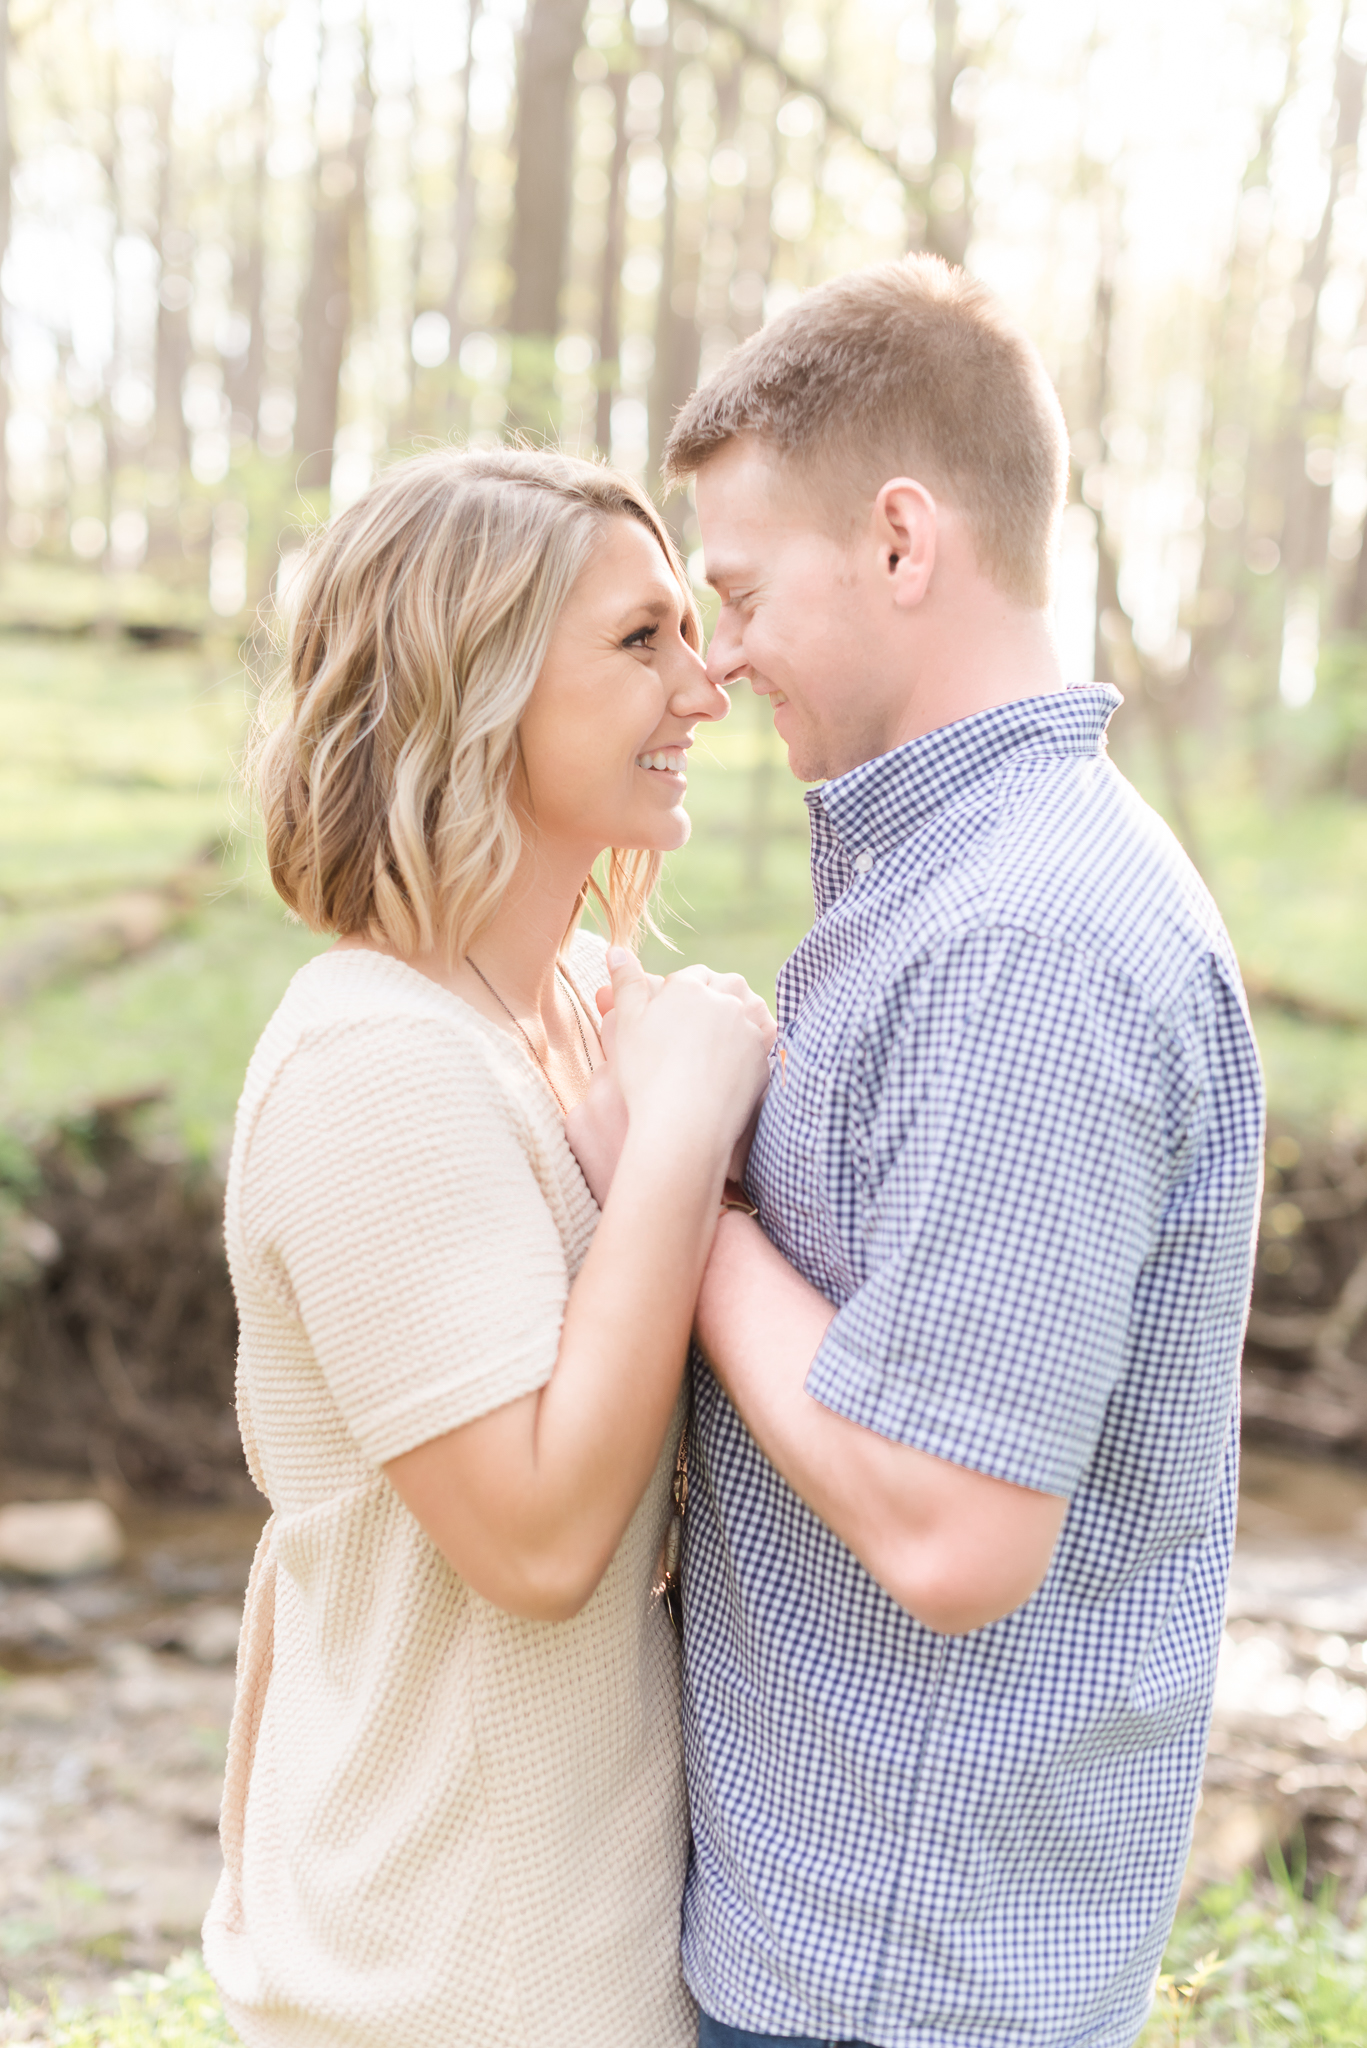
(642, 637)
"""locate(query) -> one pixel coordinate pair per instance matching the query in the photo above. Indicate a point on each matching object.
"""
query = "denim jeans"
(715, 2034)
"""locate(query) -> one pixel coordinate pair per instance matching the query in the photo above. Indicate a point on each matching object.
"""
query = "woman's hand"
(596, 1130)
(529, 1502)
(597, 1127)
(695, 1056)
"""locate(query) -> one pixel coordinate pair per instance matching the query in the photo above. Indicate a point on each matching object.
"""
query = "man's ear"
(905, 530)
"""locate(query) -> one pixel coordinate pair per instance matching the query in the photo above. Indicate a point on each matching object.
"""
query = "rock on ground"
(114, 1715)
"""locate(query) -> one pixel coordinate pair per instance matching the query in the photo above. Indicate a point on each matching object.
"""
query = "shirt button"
(863, 862)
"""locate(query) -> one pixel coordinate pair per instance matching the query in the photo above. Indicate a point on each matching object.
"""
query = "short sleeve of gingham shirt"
(1025, 1172)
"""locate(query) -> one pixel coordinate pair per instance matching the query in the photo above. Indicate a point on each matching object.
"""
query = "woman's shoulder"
(359, 1026)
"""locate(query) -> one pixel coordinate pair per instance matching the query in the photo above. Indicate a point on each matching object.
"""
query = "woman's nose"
(693, 693)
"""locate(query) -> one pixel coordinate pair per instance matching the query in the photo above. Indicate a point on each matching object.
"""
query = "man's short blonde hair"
(417, 624)
(909, 368)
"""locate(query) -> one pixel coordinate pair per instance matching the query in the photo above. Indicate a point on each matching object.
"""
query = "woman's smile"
(670, 762)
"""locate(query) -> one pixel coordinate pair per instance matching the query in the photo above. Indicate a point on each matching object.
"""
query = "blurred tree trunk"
(1314, 411)
(170, 449)
(541, 203)
(6, 170)
(1218, 615)
(463, 212)
(676, 328)
(244, 383)
(1115, 656)
(754, 250)
(949, 212)
(610, 287)
(325, 315)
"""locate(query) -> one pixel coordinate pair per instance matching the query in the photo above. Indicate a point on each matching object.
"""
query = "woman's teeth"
(669, 760)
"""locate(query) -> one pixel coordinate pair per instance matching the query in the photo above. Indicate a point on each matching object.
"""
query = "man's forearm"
(760, 1325)
(956, 1548)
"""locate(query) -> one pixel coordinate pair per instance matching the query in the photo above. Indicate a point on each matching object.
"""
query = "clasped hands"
(596, 1127)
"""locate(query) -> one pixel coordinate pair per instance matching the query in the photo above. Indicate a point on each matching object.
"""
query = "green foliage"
(1244, 1971)
(118, 764)
(1335, 719)
(178, 2009)
(1241, 1971)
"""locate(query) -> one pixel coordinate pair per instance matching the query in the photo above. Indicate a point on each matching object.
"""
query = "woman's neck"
(520, 946)
(517, 951)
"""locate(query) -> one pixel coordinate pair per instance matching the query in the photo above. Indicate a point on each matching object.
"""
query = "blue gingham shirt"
(1014, 1134)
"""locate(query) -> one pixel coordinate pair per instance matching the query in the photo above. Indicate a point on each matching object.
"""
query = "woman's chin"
(657, 835)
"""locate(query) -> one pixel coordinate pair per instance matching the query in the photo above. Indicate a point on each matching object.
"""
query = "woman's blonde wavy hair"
(417, 624)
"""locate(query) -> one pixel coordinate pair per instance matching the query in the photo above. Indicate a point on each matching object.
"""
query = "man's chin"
(804, 763)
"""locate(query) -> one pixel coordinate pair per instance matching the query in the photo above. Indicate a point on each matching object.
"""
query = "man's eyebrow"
(728, 572)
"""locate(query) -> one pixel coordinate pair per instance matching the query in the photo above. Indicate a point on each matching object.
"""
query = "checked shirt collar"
(880, 804)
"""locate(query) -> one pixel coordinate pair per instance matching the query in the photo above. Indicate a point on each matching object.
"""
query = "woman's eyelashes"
(644, 636)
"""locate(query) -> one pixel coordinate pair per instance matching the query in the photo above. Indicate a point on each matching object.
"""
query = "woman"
(454, 1812)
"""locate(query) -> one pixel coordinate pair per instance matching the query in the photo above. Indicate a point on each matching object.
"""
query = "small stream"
(116, 1690)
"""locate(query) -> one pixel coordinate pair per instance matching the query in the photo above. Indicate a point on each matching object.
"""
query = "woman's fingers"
(631, 990)
(605, 996)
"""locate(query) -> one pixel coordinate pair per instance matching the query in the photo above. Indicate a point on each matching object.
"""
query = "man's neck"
(1008, 653)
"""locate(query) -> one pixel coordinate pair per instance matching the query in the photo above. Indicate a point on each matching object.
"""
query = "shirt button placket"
(863, 861)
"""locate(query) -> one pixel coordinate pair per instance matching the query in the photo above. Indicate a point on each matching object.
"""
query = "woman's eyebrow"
(654, 607)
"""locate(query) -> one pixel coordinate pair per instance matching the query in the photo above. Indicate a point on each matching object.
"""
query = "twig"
(848, 123)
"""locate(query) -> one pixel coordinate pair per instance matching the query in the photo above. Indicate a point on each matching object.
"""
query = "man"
(963, 1472)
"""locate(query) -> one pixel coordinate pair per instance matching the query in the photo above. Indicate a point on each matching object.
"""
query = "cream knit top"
(443, 1827)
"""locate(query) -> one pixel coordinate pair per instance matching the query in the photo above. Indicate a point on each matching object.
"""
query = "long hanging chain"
(517, 1026)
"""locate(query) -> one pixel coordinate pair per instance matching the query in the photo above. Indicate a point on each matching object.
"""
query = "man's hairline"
(841, 526)
(812, 465)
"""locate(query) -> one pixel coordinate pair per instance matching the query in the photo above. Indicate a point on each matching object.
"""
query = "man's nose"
(725, 660)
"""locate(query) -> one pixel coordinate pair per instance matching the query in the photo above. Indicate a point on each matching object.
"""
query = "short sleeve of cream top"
(443, 1827)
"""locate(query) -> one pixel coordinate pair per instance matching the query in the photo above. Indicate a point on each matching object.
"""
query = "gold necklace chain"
(513, 1019)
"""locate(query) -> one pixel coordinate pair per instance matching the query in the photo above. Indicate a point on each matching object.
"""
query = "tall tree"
(541, 202)
(6, 168)
(170, 449)
(677, 339)
(463, 203)
(610, 285)
(244, 382)
(328, 302)
(949, 193)
(1313, 410)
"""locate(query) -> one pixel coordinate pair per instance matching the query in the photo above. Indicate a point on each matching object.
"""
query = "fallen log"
(1306, 1009)
(105, 932)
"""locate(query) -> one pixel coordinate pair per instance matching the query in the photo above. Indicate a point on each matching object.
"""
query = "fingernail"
(618, 956)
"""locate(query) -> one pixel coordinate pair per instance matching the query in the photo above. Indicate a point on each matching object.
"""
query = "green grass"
(1243, 1970)
(177, 2009)
(119, 766)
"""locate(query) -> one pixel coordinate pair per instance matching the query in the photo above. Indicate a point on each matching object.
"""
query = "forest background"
(249, 252)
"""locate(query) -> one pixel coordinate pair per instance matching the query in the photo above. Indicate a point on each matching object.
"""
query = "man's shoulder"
(1068, 851)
